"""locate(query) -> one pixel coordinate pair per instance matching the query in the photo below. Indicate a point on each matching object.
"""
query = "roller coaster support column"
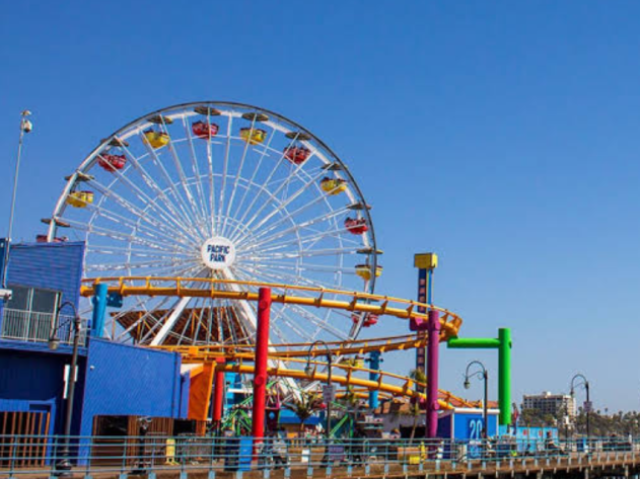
(374, 364)
(218, 395)
(433, 356)
(503, 345)
(99, 309)
(426, 263)
(260, 375)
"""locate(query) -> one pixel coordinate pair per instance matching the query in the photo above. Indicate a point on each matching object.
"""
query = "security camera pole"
(25, 127)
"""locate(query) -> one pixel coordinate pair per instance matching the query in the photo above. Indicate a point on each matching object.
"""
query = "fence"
(185, 453)
(32, 326)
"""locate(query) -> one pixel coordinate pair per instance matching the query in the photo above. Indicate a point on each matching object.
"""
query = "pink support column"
(260, 372)
(433, 355)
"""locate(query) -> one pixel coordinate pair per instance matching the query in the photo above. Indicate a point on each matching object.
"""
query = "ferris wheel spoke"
(140, 213)
(197, 214)
(273, 199)
(170, 182)
(303, 240)
(115, 235)
(207, 213)
(238, 175)
(303, 267)
(259, 239)
(153, 264)
(289, 216)
(280, 316)
(270, 195)
(140, 253)
(280, 276)
(250, 256)
(151, 183)
(257, 168)
(152, 234)
(225, 169)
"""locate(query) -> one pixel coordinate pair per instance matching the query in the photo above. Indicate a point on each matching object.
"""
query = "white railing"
(32, 326)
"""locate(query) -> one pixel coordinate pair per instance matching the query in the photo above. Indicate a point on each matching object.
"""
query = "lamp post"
(485, 376)
(309, 370)
(585, 385)
(25, 127)
(64, 465)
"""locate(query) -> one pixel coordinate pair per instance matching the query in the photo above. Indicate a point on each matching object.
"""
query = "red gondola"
(356, 226)
(297, 154)
(204, 130)
(369, 320)
(112, 162)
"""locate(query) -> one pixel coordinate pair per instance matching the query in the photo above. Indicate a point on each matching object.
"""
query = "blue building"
(112, 380)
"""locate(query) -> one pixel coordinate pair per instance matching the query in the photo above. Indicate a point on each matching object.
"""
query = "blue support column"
(374, 363)
(99, 309)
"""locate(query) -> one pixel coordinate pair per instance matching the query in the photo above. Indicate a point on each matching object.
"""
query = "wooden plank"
(32, 439)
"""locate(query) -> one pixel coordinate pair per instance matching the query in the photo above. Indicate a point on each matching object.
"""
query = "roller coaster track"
(337, 348)
(405, 386)
(290, 353)
(281, 293)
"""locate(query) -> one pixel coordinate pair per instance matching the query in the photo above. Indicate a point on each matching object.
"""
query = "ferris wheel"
(225, 191)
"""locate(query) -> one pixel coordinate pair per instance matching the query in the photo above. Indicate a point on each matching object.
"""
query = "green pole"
(473, 343)
(504, 375)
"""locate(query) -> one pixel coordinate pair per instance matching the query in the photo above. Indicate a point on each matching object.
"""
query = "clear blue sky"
(502, 135)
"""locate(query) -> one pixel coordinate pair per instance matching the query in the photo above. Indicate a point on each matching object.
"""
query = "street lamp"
(25, 127)
(587, 404)
(309, 370)
(64, 465)
(485, 376)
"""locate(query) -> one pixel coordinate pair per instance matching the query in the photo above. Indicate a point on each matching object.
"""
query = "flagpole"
(25, 127)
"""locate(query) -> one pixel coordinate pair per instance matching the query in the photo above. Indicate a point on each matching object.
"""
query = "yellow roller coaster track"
(281, 293)
(337, 348)
(406, 387)
(287, 353)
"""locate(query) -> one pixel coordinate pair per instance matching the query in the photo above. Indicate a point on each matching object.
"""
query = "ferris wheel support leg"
(262, 353)
(99, 309)
(433, 356)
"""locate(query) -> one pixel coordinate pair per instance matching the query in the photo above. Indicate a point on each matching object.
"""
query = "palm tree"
(418, 375)
(304, 407)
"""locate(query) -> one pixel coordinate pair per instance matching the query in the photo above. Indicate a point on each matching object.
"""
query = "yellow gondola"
(253, 137)
(333, 186)
(80, 199)
(156, 139)
(364, 271)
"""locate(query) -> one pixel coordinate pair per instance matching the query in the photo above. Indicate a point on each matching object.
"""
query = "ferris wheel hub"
(218, 253)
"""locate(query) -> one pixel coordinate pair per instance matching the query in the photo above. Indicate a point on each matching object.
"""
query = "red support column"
(260, 371)
(433, 355)
(218, 394)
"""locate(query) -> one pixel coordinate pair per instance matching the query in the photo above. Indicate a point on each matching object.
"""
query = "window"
(30, 314)
(26, 298)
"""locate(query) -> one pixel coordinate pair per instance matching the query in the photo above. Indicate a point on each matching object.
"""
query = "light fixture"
(54, 342)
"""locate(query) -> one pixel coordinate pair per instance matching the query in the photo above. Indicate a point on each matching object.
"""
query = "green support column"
(503, 345)
(504, 375)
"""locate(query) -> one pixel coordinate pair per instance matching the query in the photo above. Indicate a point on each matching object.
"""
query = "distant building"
(547, 403)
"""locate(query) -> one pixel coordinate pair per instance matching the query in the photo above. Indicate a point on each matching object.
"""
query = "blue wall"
(31, 381)
(466, 424)
(128, 380)
(55, 266)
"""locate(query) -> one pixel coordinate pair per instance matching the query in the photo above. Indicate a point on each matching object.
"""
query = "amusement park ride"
(236, 237)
